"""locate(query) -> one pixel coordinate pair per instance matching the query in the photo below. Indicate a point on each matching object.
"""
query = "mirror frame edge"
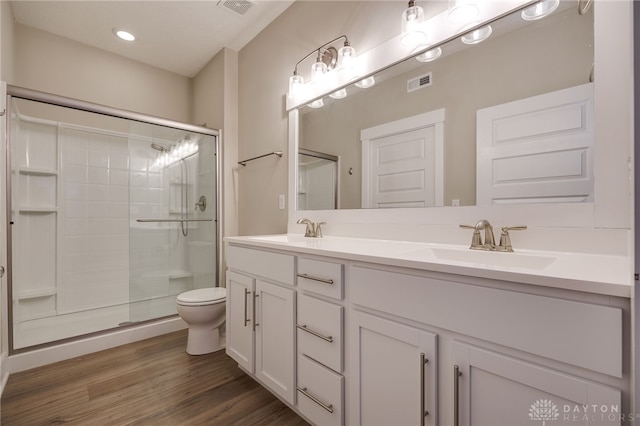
(613, 35)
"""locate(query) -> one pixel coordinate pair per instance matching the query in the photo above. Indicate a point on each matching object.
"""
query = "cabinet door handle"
(315, 333)
(255, 319)
(423, 410)
(309, 277)
(246, 293)
(456, 395)
(306, 393)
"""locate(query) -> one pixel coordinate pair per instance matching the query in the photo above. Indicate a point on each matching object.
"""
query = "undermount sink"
(494, 258)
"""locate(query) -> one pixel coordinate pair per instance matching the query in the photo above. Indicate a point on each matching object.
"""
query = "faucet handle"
(309, 231)
(476, 241)
(505, 239)
(319, 229)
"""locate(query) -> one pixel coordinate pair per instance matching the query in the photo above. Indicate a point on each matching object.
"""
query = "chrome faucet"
(489, 243)
(313, 230)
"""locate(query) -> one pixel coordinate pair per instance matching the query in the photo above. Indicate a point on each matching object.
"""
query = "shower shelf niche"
(35, 294)
(36, 210)
(37, 172)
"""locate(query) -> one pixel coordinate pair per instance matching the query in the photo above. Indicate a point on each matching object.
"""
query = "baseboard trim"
(49, 355)
(4, 372)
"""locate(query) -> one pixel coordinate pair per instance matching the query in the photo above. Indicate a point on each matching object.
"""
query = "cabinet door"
(495, 389)
(239, 319)
(394, 368)
(275, 331)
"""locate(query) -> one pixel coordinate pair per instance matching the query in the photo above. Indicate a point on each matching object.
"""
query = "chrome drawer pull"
(246, 293)
(304, 391)
(423, 411)
(456, 394)
(255, 319)
(322, 280)
(315, 333)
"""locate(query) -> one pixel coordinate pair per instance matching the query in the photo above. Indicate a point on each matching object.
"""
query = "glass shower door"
(173, 217)
(110, 219)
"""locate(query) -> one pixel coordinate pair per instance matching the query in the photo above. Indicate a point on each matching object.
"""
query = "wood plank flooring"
(152, 382)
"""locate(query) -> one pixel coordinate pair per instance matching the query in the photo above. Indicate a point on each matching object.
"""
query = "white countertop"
(593, 273)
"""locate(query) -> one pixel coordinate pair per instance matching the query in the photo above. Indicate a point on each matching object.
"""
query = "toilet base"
(201, 341)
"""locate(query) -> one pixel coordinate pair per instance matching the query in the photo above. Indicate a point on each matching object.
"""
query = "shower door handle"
(1, 271)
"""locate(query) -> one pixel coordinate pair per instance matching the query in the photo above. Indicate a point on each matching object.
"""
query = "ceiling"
(176, 35)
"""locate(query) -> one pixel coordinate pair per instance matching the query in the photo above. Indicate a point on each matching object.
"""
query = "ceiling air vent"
(239, 7)
(419, 82)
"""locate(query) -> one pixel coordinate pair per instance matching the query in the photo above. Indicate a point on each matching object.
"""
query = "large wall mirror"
(526, 89)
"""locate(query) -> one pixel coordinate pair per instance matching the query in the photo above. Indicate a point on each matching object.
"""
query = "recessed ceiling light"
(124, 35)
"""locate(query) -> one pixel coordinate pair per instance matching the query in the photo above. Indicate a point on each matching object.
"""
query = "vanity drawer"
(321, 277)
(320, 326)
(266, 264)
(320, 393)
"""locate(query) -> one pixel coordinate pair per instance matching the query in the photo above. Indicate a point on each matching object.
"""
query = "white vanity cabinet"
(359, 342)
(260, 317)
(503, 353)
(498, 390)
(395, 381)
(320, 326)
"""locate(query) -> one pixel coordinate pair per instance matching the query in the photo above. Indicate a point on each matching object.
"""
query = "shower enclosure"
(111, 215)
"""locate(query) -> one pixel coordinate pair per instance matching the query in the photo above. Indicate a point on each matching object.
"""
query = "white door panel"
(538, 149)
(402, 162)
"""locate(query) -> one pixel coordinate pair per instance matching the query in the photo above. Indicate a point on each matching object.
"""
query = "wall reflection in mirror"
(508, 120)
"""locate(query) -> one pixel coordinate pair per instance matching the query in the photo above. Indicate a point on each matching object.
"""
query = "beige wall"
(6, 42)
(54, 64)
(265, 66)
(215, 104)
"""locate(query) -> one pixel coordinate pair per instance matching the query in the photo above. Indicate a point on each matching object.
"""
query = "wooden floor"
(153, 382)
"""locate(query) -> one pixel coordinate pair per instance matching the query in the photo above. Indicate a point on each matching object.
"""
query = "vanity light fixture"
(365, 83)
(462, 11)
(540, 10)
(411, 32)
(327, 58)
(123, 34)
(429, 55)
(478, 35)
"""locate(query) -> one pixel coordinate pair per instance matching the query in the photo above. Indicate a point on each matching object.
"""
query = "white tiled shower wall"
(95, 216)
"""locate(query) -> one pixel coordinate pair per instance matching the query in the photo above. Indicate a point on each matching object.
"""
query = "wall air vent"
(419, 82)
(239, 7)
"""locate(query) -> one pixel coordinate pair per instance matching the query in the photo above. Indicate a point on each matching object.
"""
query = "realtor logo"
(544, 410)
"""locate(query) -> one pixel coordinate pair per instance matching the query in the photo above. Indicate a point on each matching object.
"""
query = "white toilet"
(204, 312)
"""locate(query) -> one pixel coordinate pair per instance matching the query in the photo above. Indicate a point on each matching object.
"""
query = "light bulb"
(295, 85)
(339, 94)
(318, 103)
(366, 83)
(429, 55)
(540, 10)
(477, 36)
(411, 26)
(346, 57)
(318, 70)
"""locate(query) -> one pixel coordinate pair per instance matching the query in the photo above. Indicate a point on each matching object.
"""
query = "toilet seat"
(202, 296)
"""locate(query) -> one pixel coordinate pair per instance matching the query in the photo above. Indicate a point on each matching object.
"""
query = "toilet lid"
(203, 295)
